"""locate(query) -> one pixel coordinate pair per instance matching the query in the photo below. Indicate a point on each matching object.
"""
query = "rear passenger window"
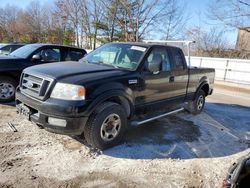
(178, 60)
(74, 55)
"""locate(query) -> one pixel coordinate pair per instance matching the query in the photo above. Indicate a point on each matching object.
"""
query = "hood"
(64, 70)
(4, 58)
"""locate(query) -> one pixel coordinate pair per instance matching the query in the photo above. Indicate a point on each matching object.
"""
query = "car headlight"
(68, 92)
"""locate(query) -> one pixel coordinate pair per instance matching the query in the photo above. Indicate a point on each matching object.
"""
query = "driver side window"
(159, 57)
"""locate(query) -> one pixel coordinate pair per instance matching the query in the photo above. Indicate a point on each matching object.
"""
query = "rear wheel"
(197, 105)
(106, 126)
(7, 89)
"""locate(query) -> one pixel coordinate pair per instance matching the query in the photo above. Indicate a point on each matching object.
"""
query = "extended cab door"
(155, 86)
(179, 74)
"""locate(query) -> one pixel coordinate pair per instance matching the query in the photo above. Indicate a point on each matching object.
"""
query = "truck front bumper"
(55, 116)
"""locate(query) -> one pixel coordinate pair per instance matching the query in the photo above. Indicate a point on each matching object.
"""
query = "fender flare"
(205, 82)
(126, 100)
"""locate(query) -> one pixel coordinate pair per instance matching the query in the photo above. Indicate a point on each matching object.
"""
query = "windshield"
(24, 51)
(124, 56)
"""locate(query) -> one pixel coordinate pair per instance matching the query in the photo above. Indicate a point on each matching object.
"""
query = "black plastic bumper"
(40, 111)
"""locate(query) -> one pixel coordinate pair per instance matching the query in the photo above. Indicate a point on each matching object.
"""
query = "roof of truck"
(146, 45)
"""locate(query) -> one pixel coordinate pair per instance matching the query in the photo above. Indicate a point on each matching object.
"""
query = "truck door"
(179, 75)
(155, 86)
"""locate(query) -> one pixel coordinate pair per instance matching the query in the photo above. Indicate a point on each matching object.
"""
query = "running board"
(136, 123)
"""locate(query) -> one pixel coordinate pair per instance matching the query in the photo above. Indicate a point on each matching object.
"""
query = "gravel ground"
(178, 151)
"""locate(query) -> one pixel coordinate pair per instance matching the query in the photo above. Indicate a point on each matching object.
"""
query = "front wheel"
(196, 106)
(7, 89)
(106, 126)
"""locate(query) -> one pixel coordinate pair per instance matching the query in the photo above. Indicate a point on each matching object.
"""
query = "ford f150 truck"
(116, 85)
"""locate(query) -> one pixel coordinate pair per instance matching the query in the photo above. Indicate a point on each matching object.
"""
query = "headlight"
(68, 92)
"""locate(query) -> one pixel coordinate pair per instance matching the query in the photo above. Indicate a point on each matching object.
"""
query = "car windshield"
(117, 55)
(24, 51)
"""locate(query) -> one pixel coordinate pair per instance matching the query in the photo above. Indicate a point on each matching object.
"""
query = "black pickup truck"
(11, 66)
(116, 85)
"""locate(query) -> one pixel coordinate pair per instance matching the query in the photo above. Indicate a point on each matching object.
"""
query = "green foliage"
(69, 37)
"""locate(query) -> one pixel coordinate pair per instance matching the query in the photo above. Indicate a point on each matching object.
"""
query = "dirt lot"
(178, 151)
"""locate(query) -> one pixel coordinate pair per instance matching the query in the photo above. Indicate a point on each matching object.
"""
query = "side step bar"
(136, 123)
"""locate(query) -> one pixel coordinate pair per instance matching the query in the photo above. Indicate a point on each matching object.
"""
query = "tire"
(196, 106)
(106, 126)
(7, 89)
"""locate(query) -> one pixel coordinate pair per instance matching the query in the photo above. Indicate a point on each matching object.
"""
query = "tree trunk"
(95, 39)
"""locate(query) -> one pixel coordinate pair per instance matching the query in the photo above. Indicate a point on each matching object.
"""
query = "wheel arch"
(203, 86)
(117, 96)
(12, 74)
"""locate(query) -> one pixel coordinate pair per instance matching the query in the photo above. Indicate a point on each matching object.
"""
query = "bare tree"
(232, 13)
(133, 18)
(35, 20)
(137, 18)
(8, 22)
(61, 23)
(112, 18)
(86, 20)
(173, 20)
(86, 27)
(211, 43)
(71, 10)
(97, 17)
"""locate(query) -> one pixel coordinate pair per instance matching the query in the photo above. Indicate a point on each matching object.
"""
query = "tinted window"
(50, 54)
(74, 55)
(160, 54)
(178, 59)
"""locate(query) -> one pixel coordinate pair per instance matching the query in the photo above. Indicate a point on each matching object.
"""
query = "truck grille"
(35, 86)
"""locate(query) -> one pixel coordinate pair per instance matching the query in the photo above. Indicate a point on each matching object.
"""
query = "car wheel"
(7, 89)
(106, 126)
(196, 106)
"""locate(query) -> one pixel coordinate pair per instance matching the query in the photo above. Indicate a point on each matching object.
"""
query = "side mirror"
(36, 57)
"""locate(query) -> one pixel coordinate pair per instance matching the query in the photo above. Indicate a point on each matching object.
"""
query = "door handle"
(171, 79)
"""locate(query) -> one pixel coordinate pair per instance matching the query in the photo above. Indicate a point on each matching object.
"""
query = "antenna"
(186, 42)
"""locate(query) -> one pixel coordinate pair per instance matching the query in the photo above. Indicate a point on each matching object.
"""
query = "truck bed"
(199, 75)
